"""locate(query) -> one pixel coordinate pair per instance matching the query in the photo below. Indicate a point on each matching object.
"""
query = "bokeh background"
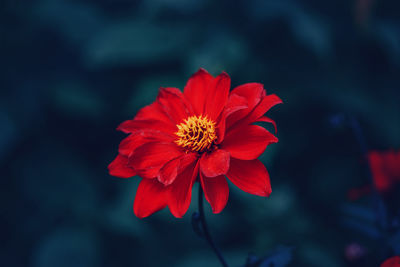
(72, 70)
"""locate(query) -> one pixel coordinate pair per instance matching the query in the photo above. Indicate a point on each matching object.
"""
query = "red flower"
(392, 262)
(385, 168)
(202, 134)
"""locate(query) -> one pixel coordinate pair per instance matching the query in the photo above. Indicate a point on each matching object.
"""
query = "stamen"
(196, 133)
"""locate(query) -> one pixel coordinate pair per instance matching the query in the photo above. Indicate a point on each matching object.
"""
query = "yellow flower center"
(196, 133)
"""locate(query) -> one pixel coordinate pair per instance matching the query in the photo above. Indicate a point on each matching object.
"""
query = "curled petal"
(266, 119)
(248, 142)
(235, 103)
(119, 167)
(251, 176)
(252, 93)
(216, 191)
(265, 104)
(215, 163)
(150, 198)
(169, 172)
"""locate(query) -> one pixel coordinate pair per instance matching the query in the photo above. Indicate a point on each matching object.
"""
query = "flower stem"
(206, 233)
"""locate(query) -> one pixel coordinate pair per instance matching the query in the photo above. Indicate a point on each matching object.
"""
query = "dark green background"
(71, 71)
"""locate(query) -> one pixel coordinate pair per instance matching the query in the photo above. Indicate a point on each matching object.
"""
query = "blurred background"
(72, 70)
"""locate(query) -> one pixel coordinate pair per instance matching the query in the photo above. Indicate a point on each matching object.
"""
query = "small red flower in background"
(391, 262)
(202, 134)
(385, 170)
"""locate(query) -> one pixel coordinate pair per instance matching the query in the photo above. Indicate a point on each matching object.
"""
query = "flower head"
(385, 170)
(196, 134)
(203, 134)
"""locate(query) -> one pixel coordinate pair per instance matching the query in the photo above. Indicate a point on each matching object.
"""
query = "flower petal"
(217, 96)
(137, 139)
(174, 104)
(251, 176)
(393, 164)
(130, 143)
(253, 93)
(153, 111)
(149, 158)
(150, 198)
(187, 159)
(169, 172)
(131, 126)
(216, 191)
(391, 262)
(215, 163)
(269, 120)
(180, 191)
(265, 104)
(119, 167)
(382, 180)
(247, 142)
(196, 90)
(235, 103)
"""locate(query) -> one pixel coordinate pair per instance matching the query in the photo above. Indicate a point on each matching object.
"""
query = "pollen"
(196, 133)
